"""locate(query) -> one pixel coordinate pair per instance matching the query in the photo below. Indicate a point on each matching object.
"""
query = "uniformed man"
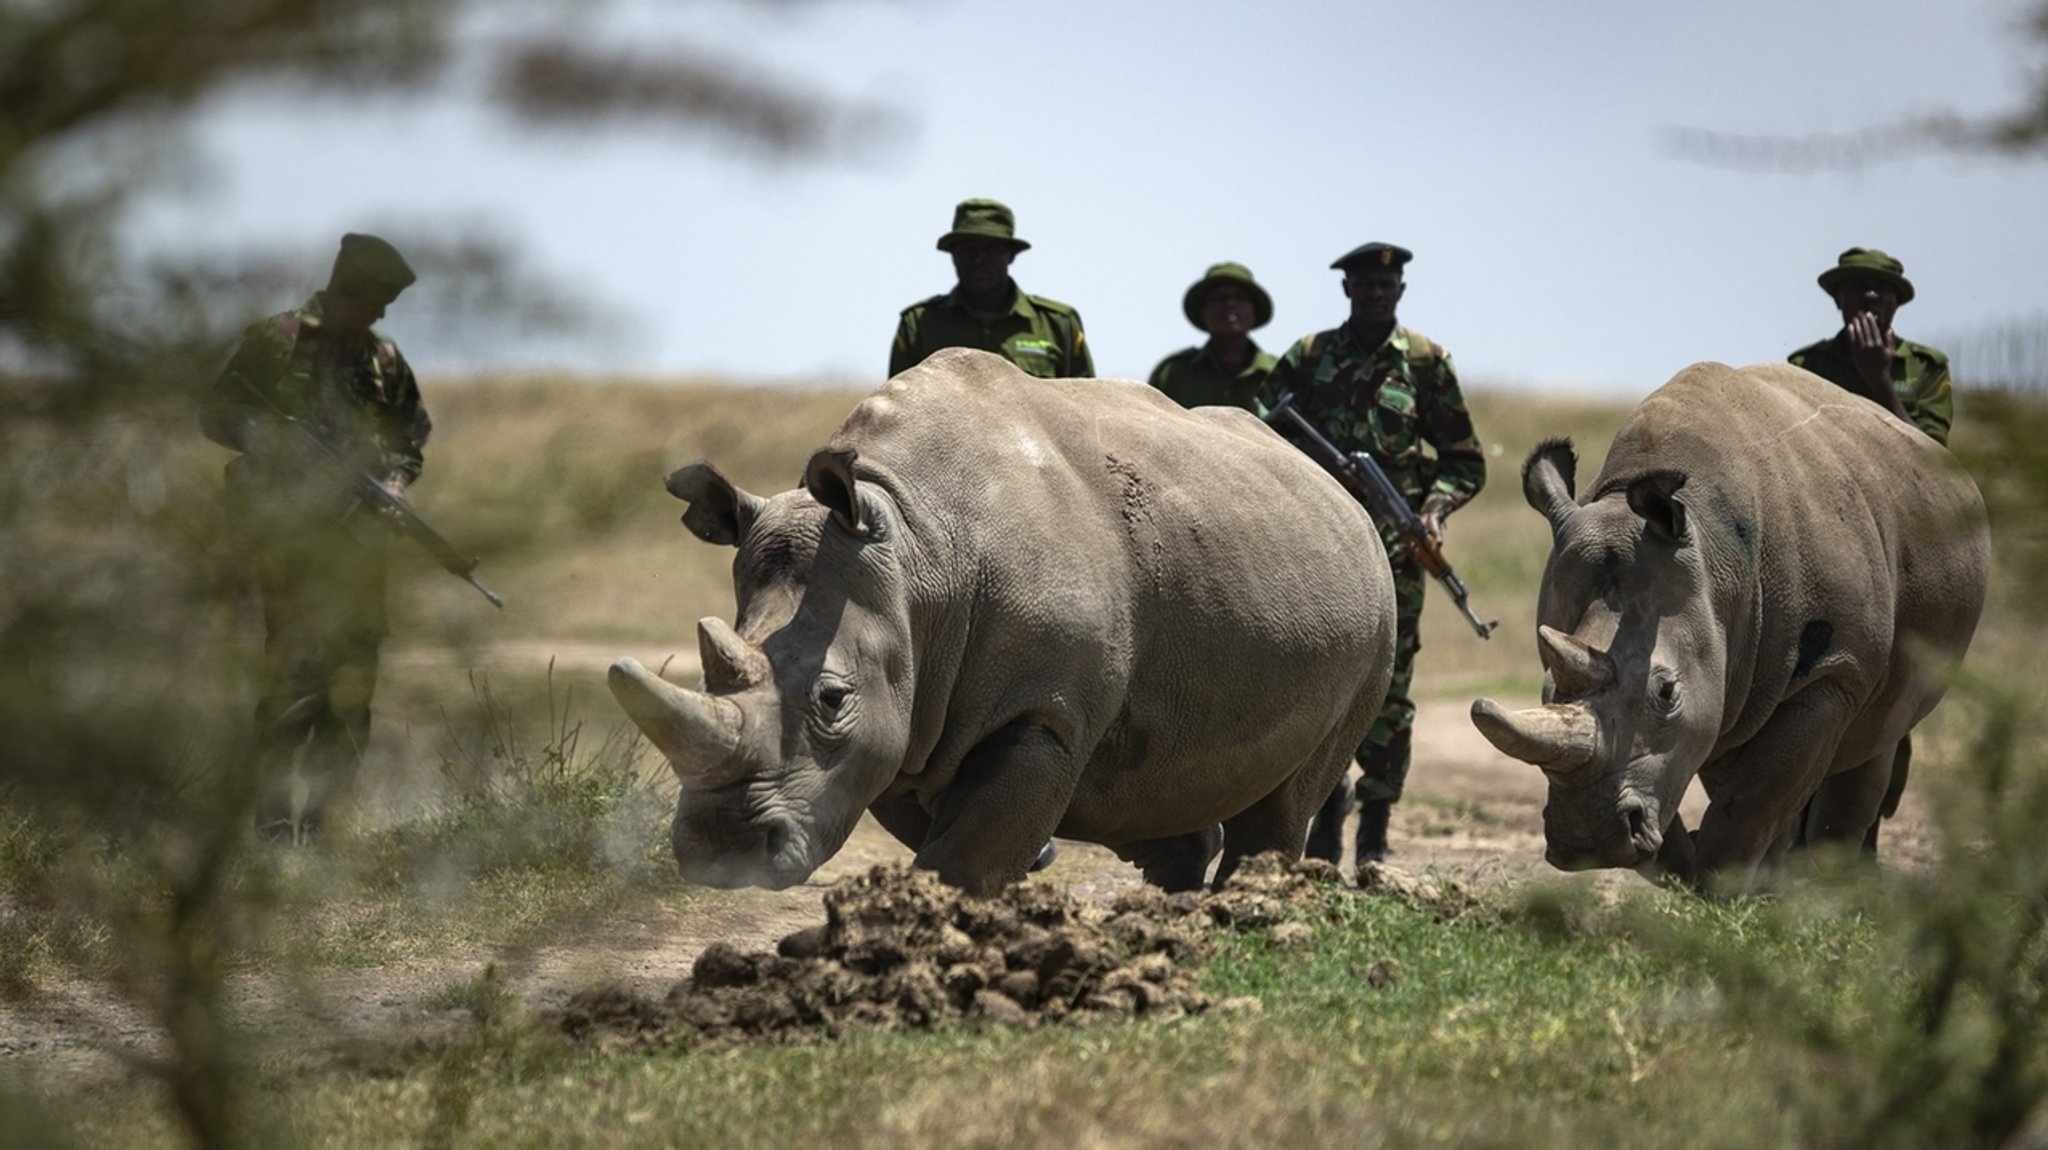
(1373, 385)
(1229, 369)
(1908, 379)
(987, 310)
(313, 398)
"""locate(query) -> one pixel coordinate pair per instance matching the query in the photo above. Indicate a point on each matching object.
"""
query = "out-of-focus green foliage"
(125, 789)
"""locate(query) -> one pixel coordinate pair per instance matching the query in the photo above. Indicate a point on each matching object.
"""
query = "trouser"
(324, 619)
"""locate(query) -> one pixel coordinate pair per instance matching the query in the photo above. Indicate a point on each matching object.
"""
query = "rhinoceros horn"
(1576, 669)
(1561, 738)
(699, 733)
(730, 662)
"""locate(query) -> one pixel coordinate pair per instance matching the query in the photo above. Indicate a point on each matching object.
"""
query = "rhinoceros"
(1763, 588)
(1002, 608)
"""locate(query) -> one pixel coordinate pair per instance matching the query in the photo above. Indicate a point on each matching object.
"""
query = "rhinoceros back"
(1202, 591)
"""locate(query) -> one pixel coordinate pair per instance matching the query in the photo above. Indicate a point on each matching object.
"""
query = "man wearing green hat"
(317, 555)
(1373, 385)
(1908, 379)
(1228, 370)
(987, 310)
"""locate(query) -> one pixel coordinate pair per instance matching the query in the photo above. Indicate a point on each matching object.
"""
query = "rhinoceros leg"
(1279, 821)
(1176, 862)
(1848, 803)
(1002, 805)
(1759, 790)
(903, 818)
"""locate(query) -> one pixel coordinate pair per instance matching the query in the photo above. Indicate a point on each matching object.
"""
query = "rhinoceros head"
(1633, 659)
(802, 717)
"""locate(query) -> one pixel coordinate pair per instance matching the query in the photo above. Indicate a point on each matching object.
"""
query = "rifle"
(1362, 475)
(392, 505)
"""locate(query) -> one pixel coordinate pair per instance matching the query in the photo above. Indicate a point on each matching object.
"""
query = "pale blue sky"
(1514, 146)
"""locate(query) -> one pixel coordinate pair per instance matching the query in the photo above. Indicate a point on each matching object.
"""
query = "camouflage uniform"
(317, 555)
(1390, 400)
(1039, 335)
(1192, 377)
(1919, 374)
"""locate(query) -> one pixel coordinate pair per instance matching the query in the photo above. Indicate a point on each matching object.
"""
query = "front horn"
(699, 733)
(1576, 668)
(1562, 738)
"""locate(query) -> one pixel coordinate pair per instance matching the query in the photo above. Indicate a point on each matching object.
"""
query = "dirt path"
(1470, 812)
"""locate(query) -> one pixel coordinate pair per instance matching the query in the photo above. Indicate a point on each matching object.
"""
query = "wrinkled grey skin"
(1003, 608)
(1764, 587)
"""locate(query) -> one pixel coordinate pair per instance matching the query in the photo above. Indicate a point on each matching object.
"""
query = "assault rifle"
(394, 507)
(1362, 475)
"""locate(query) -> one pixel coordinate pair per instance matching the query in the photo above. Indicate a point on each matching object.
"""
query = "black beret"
(372, 262)
(1374, 255)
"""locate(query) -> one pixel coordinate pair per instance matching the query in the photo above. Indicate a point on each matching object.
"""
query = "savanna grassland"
(392, 987)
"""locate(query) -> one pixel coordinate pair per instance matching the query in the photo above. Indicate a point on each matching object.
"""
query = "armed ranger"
(1362, 476)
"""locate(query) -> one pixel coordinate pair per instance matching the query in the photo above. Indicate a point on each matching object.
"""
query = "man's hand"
(1870, 350)
(1432, 520)
(394, 484)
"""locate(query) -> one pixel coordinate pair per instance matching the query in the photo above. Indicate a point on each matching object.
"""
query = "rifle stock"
(1362, 475)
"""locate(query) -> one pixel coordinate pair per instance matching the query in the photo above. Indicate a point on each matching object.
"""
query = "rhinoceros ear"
(1655, 498)
(720, 512)
(1547, 480)
(829, 479)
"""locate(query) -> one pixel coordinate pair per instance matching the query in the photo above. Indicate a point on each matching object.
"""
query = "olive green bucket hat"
(1868, 263)
(986, 220)
(1227, 273)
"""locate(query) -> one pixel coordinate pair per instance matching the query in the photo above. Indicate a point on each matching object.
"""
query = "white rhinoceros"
(1763, 587)
(1002, 608)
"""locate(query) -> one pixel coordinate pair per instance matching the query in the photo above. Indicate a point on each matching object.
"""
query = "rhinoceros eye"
(1667, 693)
(833, 706)
(831, 697)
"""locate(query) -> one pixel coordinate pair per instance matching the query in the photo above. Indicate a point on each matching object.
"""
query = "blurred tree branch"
(123, 696)
(2019, 132)
(78, 70)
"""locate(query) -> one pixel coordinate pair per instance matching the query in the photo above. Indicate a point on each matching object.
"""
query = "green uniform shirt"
(1192, 377)
(1039, 335)
(1919, 375)
(1390, 400)
(354, 389)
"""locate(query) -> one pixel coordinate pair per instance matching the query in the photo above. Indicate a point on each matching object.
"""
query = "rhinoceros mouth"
(773, 854)
(1629, 837)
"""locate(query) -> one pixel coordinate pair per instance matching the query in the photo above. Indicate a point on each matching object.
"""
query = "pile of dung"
(899, 950)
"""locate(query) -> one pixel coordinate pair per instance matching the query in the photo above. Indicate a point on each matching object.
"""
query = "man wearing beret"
(1373, 385)
(987, 310)
(1908, 379)
(317, 553)
(1228, 370)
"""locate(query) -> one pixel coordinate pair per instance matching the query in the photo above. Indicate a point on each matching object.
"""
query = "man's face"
(982, 265)
(1374, 293)
(1867, 295)
(1227, 310)
(353, 311)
